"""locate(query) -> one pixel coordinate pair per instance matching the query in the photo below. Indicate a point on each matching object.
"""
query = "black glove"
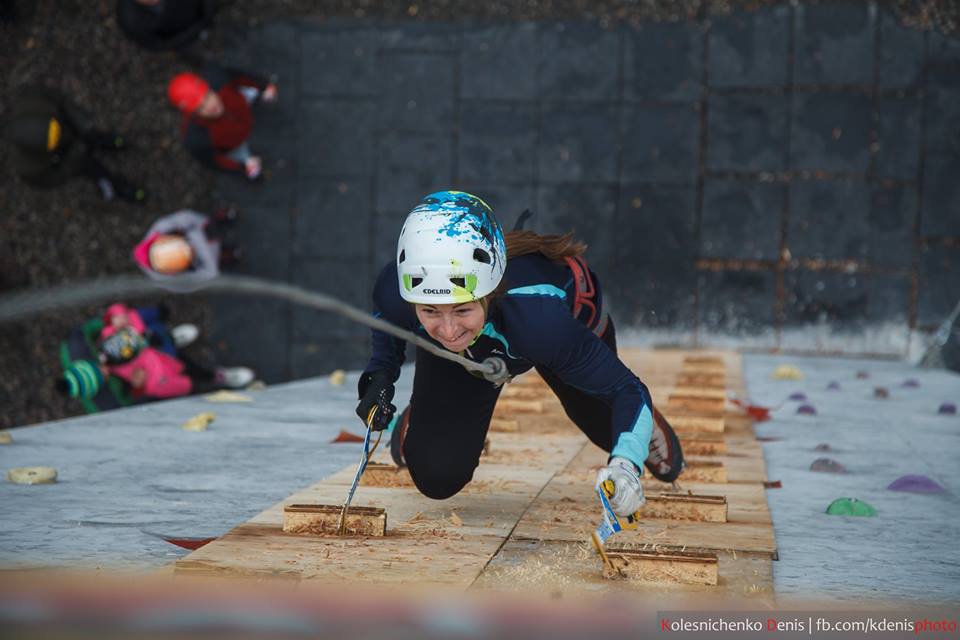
(376, 391)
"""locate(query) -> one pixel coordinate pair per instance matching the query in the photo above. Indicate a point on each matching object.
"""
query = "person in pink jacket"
(152, 373)
(119, 315)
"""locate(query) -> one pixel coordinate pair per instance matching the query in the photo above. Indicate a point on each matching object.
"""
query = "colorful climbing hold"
(823, 446)
(851, 507)
(881, 392)
(910, 383)
(755, 411)
(947, 409)
(862, 375)
(797, 397)
(806, 410)
(787, 372)
(826, 465)
(915, 484)
(833, 386)
(346, 436)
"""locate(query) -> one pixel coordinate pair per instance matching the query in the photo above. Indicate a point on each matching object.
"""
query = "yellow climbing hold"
(199, 422)
(338, 377)
(787, 372)
(32, 475)
(227, 396)
(5, 438)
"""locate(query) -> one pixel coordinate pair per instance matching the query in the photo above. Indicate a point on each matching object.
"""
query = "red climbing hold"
(755, 411)
(346, 436)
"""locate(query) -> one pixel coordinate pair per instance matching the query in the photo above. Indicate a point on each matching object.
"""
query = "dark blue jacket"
(532, 324)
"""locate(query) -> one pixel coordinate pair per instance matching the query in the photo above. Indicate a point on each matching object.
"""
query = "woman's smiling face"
(452, 325)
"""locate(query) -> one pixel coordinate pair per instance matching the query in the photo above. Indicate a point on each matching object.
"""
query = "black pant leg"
(200, 375)
(450, 412)
(592, 415)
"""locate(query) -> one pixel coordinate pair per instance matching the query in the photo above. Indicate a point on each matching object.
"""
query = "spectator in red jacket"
(217, 118)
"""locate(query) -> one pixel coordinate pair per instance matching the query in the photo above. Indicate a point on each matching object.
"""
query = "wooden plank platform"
(531, 505)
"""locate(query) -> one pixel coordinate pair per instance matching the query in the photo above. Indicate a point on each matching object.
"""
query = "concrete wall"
(777, 178)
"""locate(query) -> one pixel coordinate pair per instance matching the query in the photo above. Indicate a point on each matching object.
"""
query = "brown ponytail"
(553, 247)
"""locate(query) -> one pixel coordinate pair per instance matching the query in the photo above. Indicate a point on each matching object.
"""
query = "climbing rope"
(19, 306)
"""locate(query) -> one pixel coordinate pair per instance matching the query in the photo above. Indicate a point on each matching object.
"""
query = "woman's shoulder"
(533, 269)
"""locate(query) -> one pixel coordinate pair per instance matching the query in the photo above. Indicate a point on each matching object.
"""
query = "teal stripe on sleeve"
(634, 445)
(538, 290)
(488, 330)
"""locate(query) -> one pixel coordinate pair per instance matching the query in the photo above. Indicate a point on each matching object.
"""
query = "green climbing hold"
(851, 507)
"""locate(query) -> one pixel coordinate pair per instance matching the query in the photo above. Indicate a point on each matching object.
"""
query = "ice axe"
(610, 522)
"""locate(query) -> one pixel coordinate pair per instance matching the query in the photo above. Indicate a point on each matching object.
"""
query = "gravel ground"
(68, 234)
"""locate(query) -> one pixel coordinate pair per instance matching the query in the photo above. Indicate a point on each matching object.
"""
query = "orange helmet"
(170, 254)
(186, 91)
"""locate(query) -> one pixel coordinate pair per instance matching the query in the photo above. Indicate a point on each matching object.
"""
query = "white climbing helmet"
(451, 250)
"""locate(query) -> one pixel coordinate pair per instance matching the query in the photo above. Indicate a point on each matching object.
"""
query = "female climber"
(528, 299)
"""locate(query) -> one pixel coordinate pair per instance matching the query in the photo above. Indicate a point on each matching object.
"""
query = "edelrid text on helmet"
(451, 250)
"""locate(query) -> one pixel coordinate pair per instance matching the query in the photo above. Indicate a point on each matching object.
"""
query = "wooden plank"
(698, 392)
(531, 379)
(527, 392)
(702, 444)
(682, 423)
(704, 471)
(681, 506)
(504, 425)
(708, 381)
(702, 406)
(379, 474)
(683, 567)
(704, 359)
(324, 519)
(704, 369)
(506, 406)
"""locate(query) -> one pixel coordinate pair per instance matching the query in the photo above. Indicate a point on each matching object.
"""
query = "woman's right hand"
(377, 392)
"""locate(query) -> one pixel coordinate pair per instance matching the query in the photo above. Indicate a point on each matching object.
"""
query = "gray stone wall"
(779, 178)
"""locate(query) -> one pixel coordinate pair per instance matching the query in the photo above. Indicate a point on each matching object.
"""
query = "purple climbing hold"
(806, 410)
(915, 484)
(798, 396)
(947, 409)
(910, 383)
(833, 386)
(823, 446)
(826, 465)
